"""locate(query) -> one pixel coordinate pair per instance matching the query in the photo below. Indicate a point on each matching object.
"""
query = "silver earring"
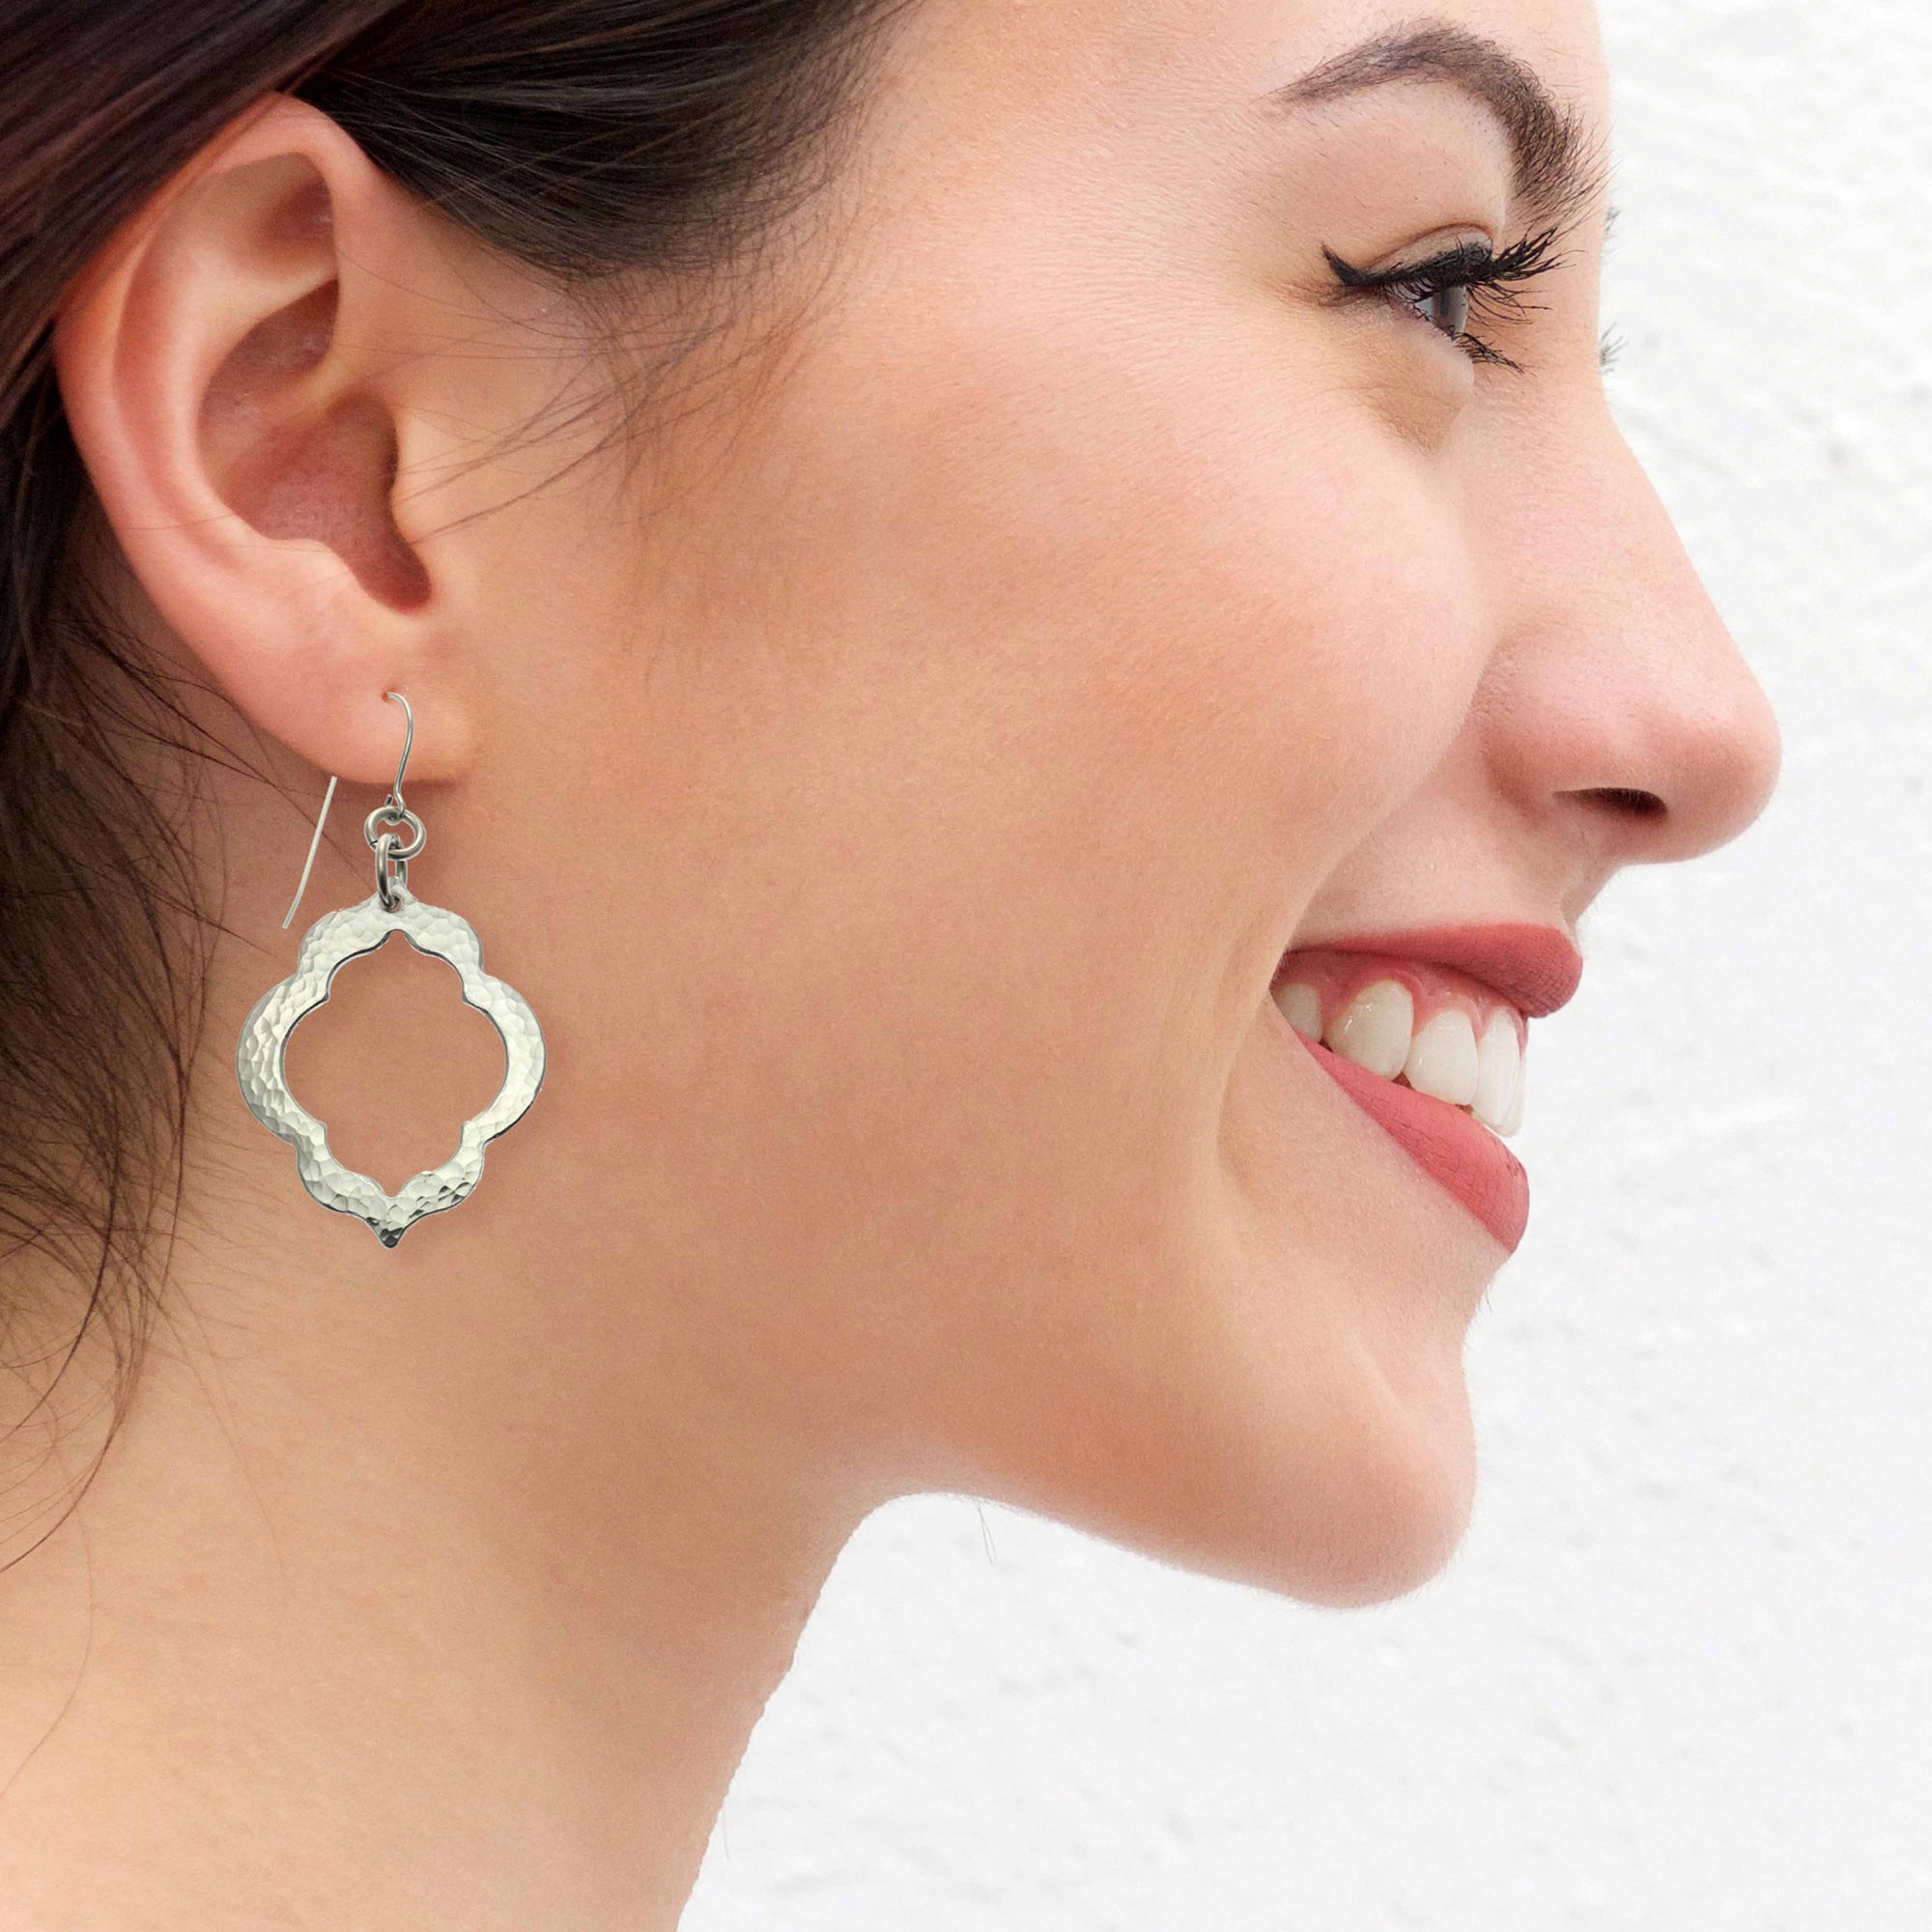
(330, 943)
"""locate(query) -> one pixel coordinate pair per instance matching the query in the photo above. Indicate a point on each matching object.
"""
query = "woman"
(1024, 633)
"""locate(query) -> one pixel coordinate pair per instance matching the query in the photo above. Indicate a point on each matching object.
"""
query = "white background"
(1680, 1679)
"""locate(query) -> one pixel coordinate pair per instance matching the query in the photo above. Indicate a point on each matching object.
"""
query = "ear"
(258, 374)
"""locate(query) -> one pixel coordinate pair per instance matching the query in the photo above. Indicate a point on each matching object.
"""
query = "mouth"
(1426, 1033)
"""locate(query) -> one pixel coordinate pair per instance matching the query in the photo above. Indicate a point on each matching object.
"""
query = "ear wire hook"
(408, 739)
(328, 798)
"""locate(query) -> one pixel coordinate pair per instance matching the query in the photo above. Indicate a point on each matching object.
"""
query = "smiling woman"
(1026, 633)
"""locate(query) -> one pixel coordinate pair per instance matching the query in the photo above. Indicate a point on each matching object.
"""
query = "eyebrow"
(1558, 159)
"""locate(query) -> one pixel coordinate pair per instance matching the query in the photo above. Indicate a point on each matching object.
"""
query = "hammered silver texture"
(328, 944)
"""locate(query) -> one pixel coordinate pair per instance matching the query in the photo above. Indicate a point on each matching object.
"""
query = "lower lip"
(1454, 1149)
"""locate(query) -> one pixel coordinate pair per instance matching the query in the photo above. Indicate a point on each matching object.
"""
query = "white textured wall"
(1681, 1678)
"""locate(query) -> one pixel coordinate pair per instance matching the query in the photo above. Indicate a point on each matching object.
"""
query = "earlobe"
(233, 375)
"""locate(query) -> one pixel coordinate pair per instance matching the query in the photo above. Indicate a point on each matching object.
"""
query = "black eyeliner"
(1492, 277)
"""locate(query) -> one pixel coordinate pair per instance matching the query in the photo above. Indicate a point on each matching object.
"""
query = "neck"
(367, 1629)
(435, 1586)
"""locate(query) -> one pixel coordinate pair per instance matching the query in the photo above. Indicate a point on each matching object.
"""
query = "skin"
(892, 778)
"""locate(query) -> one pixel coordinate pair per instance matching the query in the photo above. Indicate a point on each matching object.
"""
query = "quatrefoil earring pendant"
(328, 944)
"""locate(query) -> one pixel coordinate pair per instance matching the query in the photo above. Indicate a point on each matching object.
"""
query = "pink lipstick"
(1424, 1030)
(1453, 1149)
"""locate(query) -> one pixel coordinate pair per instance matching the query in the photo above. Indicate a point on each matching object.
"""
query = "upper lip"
(1535, 968)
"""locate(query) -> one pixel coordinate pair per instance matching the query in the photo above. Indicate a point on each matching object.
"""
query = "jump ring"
(389, 814)
(392, 872)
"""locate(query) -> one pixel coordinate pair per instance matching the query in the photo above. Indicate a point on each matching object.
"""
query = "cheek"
(1109, 633)
(1239, 594)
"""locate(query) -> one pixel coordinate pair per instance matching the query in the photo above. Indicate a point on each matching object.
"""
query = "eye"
(1462, 285)
(1445, 307)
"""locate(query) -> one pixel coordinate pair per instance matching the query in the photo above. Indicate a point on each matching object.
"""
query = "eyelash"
(1492, 281)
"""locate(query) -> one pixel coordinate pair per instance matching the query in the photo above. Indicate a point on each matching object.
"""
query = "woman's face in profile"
(1171, 589)
(1182, 555)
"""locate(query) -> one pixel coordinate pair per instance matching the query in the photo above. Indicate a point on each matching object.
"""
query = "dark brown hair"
(585, 138)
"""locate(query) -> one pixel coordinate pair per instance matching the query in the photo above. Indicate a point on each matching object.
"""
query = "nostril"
(1621, 798)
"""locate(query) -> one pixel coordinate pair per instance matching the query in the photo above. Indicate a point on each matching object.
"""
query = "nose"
(1618, 708)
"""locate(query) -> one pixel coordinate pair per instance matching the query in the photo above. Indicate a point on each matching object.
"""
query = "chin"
(1356, 1499)
(1399, 1527)
(1346, 1489)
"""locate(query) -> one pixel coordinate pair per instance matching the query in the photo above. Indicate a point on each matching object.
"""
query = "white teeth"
(1445, 1060)
(1516, 1113)
(1442, 1061)
(1497, 1101)
(1302, 1008)
(1374, 1031)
